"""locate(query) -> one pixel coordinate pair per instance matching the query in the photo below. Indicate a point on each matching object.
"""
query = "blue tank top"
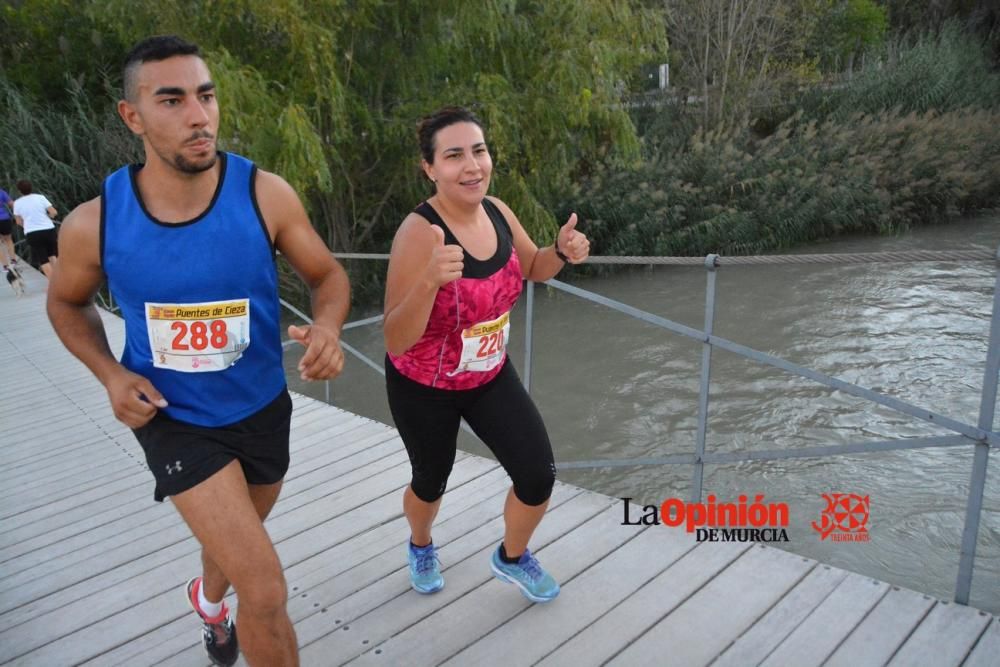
(199, 298)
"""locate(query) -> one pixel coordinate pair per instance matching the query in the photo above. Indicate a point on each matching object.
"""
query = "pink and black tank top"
(465, 343)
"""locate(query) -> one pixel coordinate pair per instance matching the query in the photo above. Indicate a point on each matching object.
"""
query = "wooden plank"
(987, 650)
(46, 493)
(41, 595)
(81, 643)
(473, 500)
(69, 519)
(945, 637)
(884, 630)
(106, 615)
(357, 445)
(377, 455)
(67, 510)
(51, 446)
(387, 608)
(69, 397)
(74, 592)
(306, 474)
(335, 573)
(154, 543)
(705, 624)
(89, 545)
(63, 430)
(37, 583)
(109, 579)
(62, 471)
(834, 619)
(626, 622)
(19, 547)
(763, 636)
(583, 599)
(494, 603)
(327, 429)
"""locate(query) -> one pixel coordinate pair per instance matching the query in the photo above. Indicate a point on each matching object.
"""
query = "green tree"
(980, 17)
(48, 44)
(847, 28)
(328, 94)
(738, 55)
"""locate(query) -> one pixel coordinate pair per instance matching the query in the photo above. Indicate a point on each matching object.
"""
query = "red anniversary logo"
(845, 518)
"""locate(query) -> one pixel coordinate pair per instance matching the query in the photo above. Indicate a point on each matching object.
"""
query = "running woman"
(455, 272)
(187, 242)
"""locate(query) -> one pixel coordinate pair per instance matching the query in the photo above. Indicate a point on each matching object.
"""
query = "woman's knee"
(535, 487)
(429, 485)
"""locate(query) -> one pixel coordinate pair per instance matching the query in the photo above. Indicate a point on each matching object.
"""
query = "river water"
(612, 387)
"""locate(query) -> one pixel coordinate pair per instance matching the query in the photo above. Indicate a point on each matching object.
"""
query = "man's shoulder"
(85, 218)
(269, 185)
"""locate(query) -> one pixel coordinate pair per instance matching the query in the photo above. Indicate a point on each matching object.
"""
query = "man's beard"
(186, 166)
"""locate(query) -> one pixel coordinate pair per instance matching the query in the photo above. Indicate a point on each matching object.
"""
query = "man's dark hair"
(429, 126)
(24, 186)
(153, 49)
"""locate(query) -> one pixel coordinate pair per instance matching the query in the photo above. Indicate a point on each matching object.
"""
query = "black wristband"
(559, 253)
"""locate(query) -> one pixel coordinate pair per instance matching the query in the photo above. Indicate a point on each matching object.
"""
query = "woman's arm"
(540, 264)
(419, 264)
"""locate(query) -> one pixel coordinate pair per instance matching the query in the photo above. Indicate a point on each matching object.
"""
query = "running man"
(7, 231)
(35, 213)
(187, 242)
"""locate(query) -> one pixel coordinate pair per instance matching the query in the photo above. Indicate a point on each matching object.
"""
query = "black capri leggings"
(500, 412)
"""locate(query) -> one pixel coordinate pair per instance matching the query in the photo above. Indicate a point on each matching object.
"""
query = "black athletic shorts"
(182, 455)
(6, 227)
(43, 244)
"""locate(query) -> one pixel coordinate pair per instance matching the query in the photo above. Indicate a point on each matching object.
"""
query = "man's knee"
(264, 594)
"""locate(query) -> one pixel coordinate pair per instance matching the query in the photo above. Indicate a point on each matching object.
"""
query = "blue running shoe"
(425, 569)
(536, 584)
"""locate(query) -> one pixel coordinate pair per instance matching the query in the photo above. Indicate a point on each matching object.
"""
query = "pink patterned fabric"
(457, 306)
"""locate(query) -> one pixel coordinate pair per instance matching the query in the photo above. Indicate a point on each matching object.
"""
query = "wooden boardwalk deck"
(91, 568)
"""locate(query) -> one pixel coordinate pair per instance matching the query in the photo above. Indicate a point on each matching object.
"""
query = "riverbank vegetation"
(895, 146)
(783, 121)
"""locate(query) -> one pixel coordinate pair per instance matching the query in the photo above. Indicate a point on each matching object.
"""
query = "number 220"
(490, 345)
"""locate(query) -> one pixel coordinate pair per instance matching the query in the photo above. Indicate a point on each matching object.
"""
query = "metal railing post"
(711, 263)
(529, 308)
(981, 455)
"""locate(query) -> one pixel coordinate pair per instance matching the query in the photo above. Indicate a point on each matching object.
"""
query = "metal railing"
(981, 435)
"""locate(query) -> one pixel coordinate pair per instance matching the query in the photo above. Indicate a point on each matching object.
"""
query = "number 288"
(199, 335)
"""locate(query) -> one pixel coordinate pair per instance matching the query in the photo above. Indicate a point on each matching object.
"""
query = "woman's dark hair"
(24, 186)
(429, 126)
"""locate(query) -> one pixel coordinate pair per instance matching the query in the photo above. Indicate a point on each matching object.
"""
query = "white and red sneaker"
(218, 632)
